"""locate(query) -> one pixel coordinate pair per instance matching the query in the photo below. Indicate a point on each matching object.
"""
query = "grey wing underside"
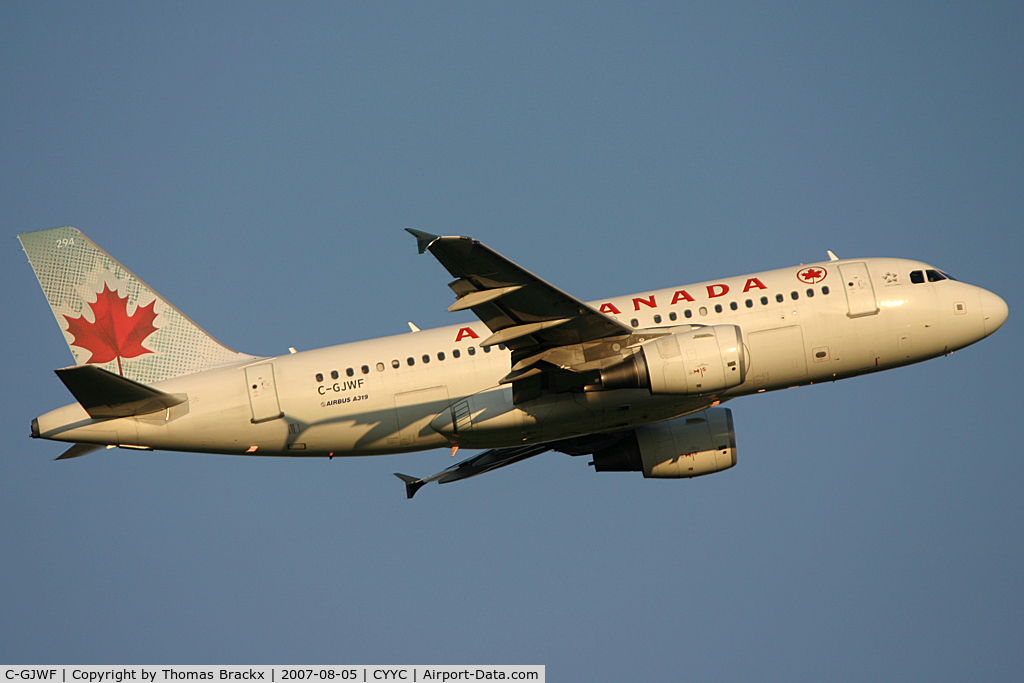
(470, 467)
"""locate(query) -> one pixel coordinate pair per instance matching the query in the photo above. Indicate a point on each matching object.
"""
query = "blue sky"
(255, 163)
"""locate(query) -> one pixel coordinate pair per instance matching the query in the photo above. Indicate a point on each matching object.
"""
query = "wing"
(478, 464)
(500, 457)
(520, 309)
(549, 332)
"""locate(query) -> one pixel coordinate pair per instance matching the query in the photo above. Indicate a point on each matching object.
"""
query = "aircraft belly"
(224, 431)
(628, 408)
(72, 424)
(490, 419)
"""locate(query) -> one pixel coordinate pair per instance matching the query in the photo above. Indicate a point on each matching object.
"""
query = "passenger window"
(810, 293)
(411, 361)
(501, 346)
(365, 370)
(703, 310)
(426, 358)
(917, 277)
(395, 364)
(634, 322)
(688, 313)
(440, 355)
(824, 290)
(718, 308)
(472, 351)
(795, 295)
(456, 353)
(733, 305)
(334, 374)
(657, 319)
(350, 372)
(750, 304)
(380, 367)
(672, 315)
(779, 298)
(764, 301)
(319, 377)
(487, 349)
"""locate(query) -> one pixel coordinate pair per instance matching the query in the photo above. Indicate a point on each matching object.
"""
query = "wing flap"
(481, 297)
(517, 331)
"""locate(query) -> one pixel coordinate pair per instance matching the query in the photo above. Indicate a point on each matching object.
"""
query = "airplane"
(637, 382)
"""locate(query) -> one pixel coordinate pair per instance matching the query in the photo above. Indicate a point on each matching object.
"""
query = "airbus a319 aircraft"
(636, 382)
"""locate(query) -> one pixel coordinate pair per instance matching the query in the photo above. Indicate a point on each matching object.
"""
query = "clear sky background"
(256, 163)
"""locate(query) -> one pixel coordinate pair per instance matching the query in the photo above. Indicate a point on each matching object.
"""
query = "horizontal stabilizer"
(78, 450)
(104, 394)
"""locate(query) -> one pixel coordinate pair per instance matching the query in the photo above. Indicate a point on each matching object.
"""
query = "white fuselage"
(835, 319)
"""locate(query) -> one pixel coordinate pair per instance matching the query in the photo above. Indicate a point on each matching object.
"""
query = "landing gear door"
(860, 295)
(262, 392)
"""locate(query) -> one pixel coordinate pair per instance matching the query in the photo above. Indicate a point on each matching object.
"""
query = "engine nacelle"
(699, 361)
(689, 446)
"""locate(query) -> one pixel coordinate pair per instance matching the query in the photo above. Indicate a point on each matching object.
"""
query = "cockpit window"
(917, 276)
(935, 276)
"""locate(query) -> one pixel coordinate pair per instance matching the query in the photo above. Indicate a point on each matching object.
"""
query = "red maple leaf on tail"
(114, 334)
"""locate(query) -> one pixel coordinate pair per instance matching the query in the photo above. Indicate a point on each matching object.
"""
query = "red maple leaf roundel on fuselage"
(812, 275)
(114, 334)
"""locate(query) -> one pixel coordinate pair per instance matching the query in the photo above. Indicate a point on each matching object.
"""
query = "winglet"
(412, 484)
(831, 256)
(423, 241)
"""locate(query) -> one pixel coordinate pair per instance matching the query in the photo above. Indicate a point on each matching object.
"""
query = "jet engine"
(699, 361)
(689, 446)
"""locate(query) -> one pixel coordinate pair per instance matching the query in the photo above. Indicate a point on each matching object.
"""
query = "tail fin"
(111, 318)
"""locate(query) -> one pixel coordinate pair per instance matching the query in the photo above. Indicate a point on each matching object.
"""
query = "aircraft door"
(262, 392)
(860, 295)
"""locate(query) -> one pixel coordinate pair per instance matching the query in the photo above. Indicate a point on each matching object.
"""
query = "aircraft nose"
(994, 310)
